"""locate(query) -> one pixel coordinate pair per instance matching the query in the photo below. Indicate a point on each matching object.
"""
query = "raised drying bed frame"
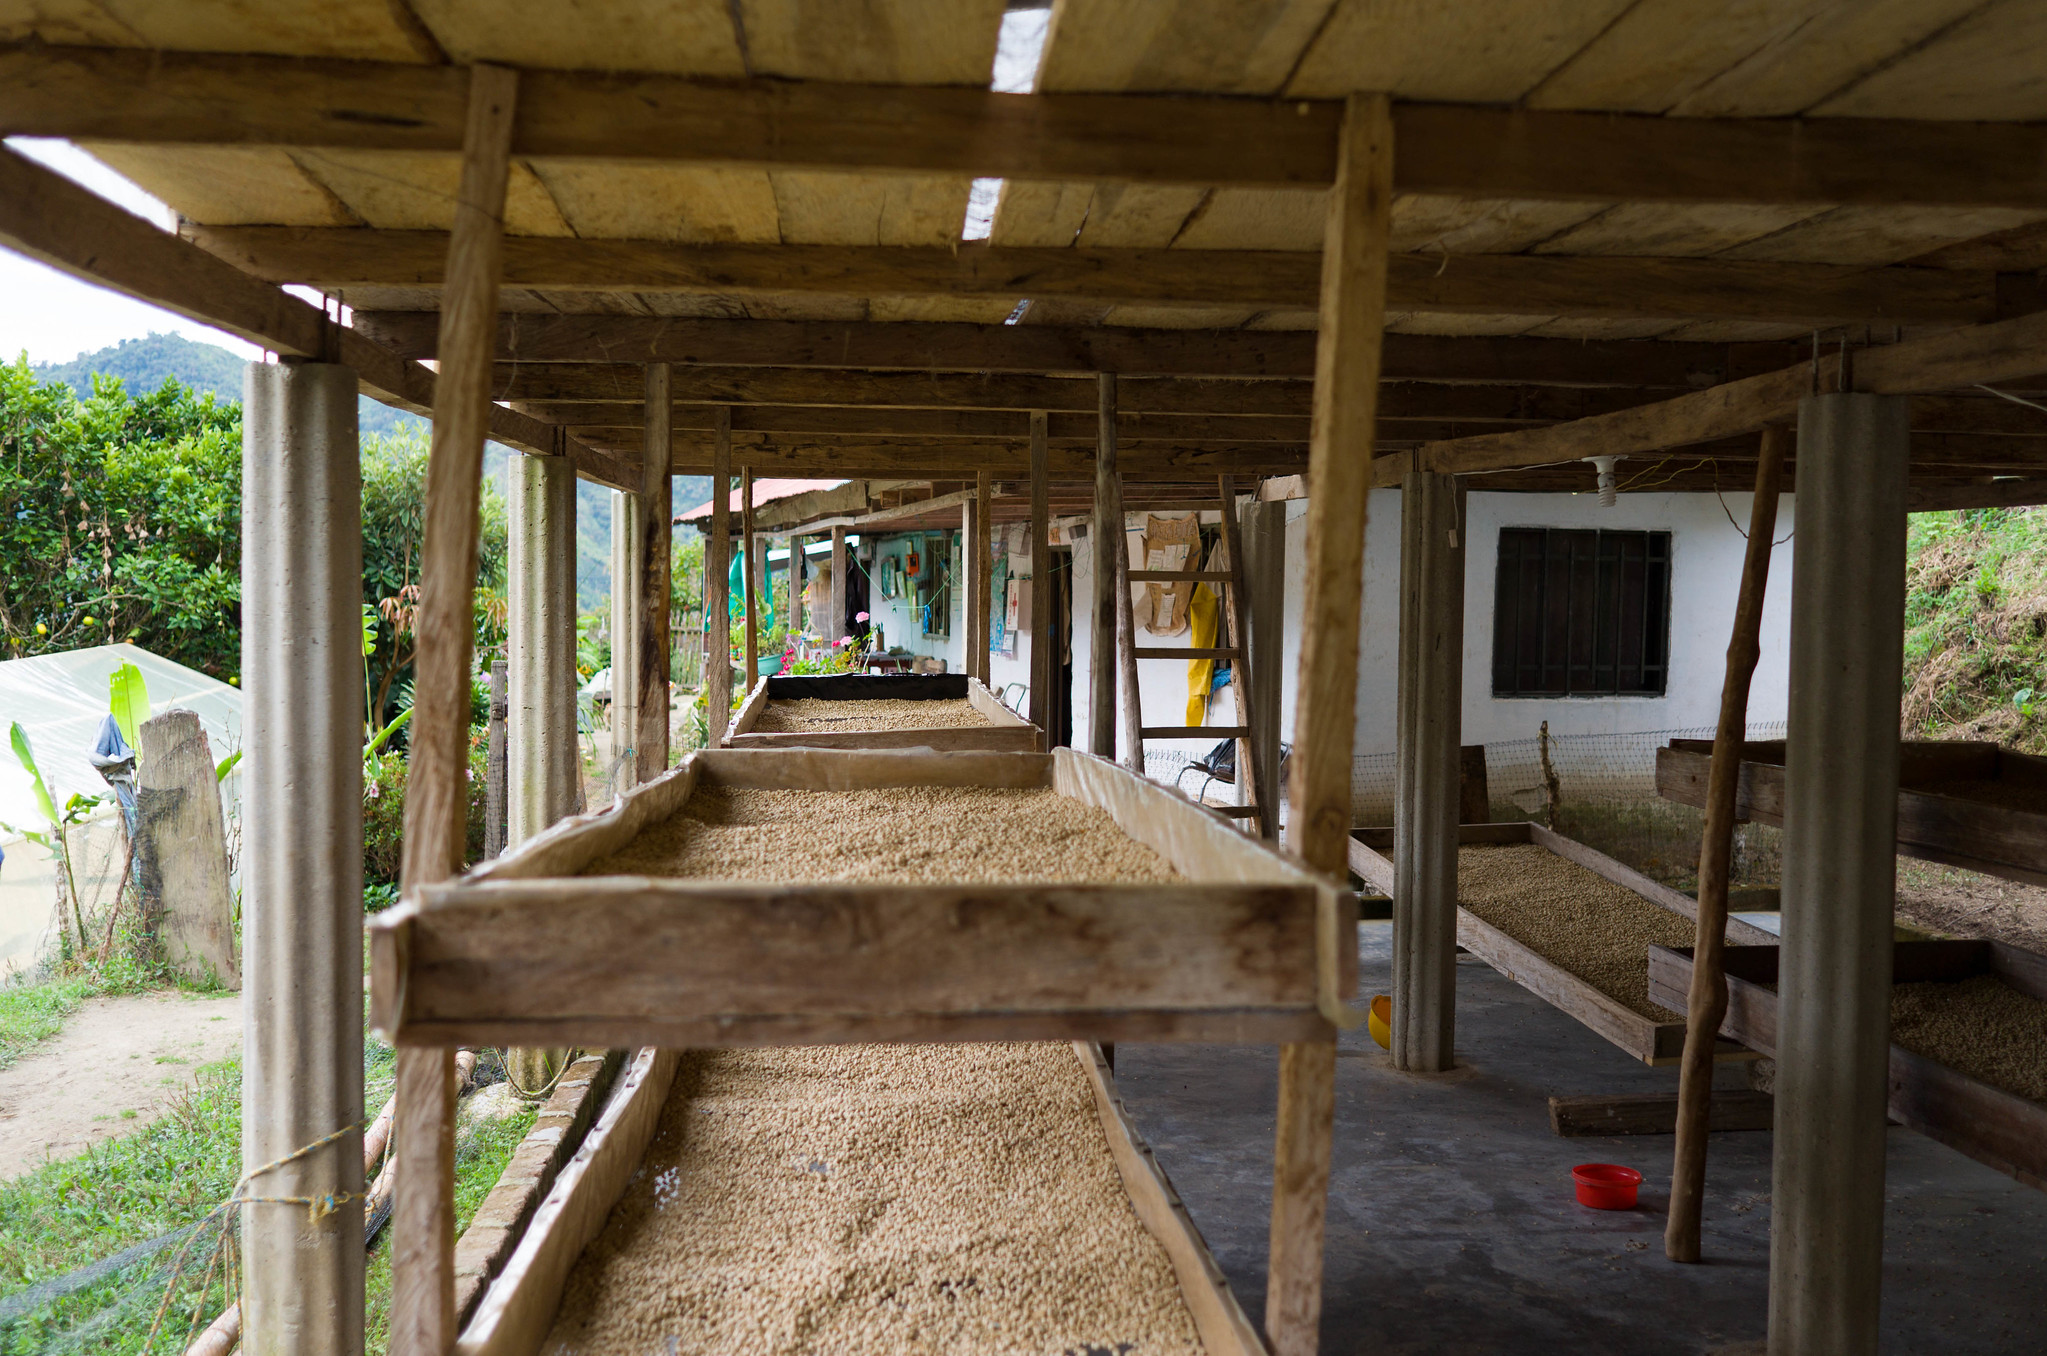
(1990, 1125)
(1651, 1041)
(1005, 732)
(1997, 840)
(1251, 948)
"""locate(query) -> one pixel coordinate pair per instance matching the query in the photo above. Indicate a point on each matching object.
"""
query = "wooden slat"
(1042, 697)
(1195, 731)
(1220, 1321)
(138, 95)
(1655, 1113)
(335, 258)
(650, 740)
(970, 738)
(519, 1307)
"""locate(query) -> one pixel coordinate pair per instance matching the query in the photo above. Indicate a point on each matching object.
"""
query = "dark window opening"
(1581, 613)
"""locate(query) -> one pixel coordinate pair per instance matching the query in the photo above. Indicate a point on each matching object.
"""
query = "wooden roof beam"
(1479, 284)
(141, 95)
(52, 220)
(2009, 350)
(1049, 349)
(855, 459)
(977, 424)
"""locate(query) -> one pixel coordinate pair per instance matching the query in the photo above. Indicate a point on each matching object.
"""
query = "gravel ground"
(1571, 917)
(811, 715)
(928, 835)
(933, 1199)
(1981, 1027)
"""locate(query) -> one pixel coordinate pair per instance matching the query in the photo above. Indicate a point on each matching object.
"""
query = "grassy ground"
(172, 1173)
(36, 1012)
(1976, 627)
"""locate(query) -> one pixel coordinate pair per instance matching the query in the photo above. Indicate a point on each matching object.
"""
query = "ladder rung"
(1181, 576)
(1233, 811)
(1184, 652)
(1195, 731)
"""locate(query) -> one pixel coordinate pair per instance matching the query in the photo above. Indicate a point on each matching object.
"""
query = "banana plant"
(55, 841)
(128, 699)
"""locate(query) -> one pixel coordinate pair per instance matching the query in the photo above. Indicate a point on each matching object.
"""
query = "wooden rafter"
(1484, 284)
(1045, 349)
(54, 221)
(139, 95)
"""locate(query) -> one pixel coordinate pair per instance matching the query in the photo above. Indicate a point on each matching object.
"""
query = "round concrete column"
(302, 855)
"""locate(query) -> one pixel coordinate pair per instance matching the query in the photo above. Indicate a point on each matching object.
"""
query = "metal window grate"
(1581, 613)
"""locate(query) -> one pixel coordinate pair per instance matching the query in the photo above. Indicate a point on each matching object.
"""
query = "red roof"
(765, 491)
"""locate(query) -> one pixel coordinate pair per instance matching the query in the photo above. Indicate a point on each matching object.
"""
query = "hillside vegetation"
(1976, 627)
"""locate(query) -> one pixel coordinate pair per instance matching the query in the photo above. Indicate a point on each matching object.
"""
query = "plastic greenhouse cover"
(61, 701)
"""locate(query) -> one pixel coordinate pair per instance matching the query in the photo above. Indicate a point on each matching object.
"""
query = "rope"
(317, 1207)
(530, 1095)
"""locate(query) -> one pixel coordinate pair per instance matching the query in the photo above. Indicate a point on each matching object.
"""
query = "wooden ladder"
(1231, 631)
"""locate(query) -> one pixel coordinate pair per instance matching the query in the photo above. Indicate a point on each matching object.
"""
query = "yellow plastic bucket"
(1380, 1021)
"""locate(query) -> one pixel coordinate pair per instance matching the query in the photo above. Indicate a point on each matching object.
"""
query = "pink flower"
(859, 617)
(843, 640)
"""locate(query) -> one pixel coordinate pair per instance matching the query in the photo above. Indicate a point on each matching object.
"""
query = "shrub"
(383, 814)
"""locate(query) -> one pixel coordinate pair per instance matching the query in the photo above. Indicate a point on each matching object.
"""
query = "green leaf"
(369, 630)
(384, 735)
(128, 698)
(227, 765)
(28, 760)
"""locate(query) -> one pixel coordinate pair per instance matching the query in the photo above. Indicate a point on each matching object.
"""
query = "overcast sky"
(53, 316)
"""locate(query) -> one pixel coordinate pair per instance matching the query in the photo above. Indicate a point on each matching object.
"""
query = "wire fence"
(1599, 789)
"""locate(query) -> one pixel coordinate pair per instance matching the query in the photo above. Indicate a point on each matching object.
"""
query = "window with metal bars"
(1581, 614)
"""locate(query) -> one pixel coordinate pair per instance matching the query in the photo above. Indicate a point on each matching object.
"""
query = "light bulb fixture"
(1608, 492)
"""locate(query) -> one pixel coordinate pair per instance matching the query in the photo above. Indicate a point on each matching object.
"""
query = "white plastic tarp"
(60, 700)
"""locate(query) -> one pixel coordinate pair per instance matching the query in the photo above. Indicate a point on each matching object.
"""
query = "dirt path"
(115, 1067)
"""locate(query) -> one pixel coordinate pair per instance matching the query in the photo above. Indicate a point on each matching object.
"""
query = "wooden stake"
(718, 590)
(972, 589)
(984, 569)
(1108, 544)
(1707, 1004)
(1042, 592)
(836, 625)
(752, 584)
(436, 802)
(650, 744)
(1346, 407)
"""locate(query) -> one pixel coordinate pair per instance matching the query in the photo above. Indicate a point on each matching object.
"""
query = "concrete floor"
(1452, 1226)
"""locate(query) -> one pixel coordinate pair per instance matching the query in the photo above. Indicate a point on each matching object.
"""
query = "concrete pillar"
(541, 541)
(302, 859)
(1840, 870)
(626, 581)
(1425, 794)
(1264, 541)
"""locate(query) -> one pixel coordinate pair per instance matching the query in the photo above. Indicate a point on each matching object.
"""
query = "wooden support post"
(1044, 665)
(1353, 317)
(650, 748)
(747, 567)
(798, 623)
(1132, 703)
(436, 796)
(838, 624)
(497, 767)
(972, 585)
(628, 592)
(1264, 611)
(718, 589)
(1108, 546)
(984, 570)
(1430, 704)
(1707, 1004)
(1840, 876)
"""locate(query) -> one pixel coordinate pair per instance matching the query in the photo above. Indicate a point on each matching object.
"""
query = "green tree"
(120, 518)
(393, 522)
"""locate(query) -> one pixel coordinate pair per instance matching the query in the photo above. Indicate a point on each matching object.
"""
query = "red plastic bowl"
(1606, 1186)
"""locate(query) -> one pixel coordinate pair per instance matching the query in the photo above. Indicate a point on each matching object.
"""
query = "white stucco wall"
(1706, 558)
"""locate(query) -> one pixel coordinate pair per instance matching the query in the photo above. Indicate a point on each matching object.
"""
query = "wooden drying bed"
(1246, 947)
(1005, 732)
(1648, 1040)
(1972, 805)
(1994, 1127)
(519, 1308)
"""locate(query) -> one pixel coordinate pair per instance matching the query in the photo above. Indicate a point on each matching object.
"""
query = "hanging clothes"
(1203, 613)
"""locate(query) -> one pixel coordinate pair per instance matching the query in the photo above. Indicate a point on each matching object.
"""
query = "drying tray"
(1005, 732)
(1990, 1125)
(1648, 1040)
(1936, 826)
(1248, 947)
